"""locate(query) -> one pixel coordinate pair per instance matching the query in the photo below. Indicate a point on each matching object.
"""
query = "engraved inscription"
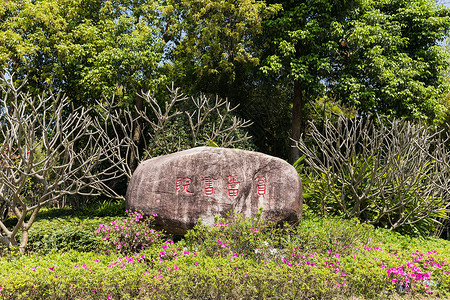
(233, 186)
(261, 185)
(209, 190)
(182, 186)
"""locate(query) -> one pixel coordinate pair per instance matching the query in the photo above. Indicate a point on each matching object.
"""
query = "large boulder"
(205, 182)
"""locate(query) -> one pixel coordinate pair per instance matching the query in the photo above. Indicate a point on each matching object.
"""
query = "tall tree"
(86, 49)
(391, 61)
(214, 46)
(377, 56)
(304, 35)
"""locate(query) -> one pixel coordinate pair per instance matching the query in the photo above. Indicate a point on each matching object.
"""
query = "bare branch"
(395, 174)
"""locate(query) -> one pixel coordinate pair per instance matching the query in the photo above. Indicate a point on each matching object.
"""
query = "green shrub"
(239, 236)
(105, 208)
(318, 259)
(64, 234)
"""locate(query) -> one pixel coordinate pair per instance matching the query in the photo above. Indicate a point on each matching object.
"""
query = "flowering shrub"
(238, 258)
(239, 236)
(415, 275)
(131, 235)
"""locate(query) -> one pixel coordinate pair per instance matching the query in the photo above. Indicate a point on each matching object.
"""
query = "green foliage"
(373, 56)
(103, 208)
(386, 68)
(64, 229)
(238, 236)
(216, 128)
(330, 235)
(216, 42)
(63, 234)
(320, 258)
(391, 61)
(88, 49)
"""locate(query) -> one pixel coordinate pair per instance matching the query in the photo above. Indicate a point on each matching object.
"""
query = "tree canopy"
(390, 60)
(379, 57)
(376, 56)
(87, 49)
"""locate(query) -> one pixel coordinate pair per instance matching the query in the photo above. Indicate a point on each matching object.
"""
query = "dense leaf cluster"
(277, 56)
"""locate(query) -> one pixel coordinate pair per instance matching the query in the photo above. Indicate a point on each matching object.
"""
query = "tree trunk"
(23, 241)
(137, 136)
(297, 120)
(137, 128)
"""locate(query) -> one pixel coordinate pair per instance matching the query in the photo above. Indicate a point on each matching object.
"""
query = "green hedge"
(236, 259)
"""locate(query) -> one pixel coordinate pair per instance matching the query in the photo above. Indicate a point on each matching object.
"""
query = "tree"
(390, 60)
(203, 121)
(85, 49)
(88, 49)
(214, 43)
(45, 154)
(377, 56)
(394, 175)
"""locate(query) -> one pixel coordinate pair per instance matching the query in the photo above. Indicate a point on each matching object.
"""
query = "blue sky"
(445, 2)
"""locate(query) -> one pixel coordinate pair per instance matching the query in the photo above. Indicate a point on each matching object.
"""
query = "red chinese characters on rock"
(261, 185)
(182, 186)
(233, 186)
(209, 190)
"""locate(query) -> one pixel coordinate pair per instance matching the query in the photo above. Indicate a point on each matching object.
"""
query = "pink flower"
(155, 215)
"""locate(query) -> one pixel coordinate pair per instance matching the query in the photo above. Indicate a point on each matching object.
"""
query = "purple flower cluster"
(130, 235)
(411, 273)
(415, 273)
(122, 262)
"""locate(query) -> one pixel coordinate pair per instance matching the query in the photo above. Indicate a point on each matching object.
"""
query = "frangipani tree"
(394, 176)
(45, 154)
